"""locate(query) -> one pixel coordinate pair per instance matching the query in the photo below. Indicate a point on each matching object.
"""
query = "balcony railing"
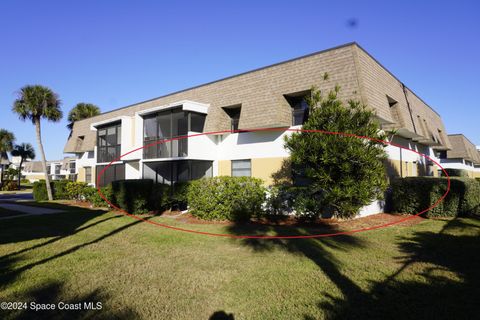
(169, 149)
(108, 154)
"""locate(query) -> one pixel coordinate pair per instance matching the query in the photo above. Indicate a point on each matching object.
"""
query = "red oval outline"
(265, 236)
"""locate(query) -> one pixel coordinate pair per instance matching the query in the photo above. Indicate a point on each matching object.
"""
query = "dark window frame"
(70, 167)
(180, 144)
(299, 107)
(116, 176)
(234, 113)
(103, 156)
(172, 171)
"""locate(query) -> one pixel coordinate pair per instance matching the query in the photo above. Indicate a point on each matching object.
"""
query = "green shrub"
(9, 185)
(24, 181)
(344, 172)
(76, 190)
(40, 191)
(132, 195)
(92, 196)
(226, 198)
(415, 194)
(455, 173)
(179, 196)
(59, 190)
(160, 197)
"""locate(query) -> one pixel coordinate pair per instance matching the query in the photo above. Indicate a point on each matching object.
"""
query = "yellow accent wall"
(81, 174)
(224, 167)
(263, 168)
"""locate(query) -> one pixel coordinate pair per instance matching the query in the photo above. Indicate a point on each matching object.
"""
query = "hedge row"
(415, 194)
(226, 198)
(135, 196)
(455, 172)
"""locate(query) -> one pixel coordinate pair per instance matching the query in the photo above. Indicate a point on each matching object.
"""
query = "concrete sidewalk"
(29, 210)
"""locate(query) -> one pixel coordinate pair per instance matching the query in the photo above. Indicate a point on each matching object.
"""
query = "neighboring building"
(463, 155)
(4, 162)
(269, 97)
(57, 170)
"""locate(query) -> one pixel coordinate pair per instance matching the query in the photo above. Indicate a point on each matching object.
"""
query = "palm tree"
(82, 111)
(6, 145)
(24, 151)
(37, 102)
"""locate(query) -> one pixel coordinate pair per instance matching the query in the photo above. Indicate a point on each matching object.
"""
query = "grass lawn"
(430, 270)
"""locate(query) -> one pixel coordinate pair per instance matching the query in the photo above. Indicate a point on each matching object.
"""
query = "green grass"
(137, 270)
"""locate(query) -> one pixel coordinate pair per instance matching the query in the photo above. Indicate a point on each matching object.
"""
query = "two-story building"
(269, 97)
(462, 155)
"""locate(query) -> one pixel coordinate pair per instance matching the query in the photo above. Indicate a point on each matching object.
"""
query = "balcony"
(169, 149)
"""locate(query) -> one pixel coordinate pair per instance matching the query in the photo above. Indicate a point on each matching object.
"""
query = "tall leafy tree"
(24, 151)
(82, 111)
(35, 103)
(6, 145)
(344, 173)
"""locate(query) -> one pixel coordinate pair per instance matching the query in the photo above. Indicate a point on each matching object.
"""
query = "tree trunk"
(44, 160)
(20, 173)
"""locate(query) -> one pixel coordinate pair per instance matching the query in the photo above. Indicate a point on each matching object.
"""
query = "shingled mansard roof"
(463, 148)
(261, 93)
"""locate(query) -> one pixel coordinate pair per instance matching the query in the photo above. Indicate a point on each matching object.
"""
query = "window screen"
(241, 168)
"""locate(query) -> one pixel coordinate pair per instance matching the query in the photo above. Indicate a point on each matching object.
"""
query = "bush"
(226, 198)
(344, 172)
(132, 195)
(455, 173)
(24, 180)
(415, 194)
(40, 191)
(92, 196)
(59, 190)
(160, 197)
(76, 190)
(9, 185)
(179, 196)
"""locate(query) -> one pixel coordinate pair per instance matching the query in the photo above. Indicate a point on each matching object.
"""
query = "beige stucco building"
(269, 97)
(463, 155)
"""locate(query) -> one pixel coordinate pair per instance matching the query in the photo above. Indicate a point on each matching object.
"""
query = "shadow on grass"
(53, 293)
(8, 274)
(61, 226)
(221, 315)
(45, 226)
(318, 250)
(446, 286)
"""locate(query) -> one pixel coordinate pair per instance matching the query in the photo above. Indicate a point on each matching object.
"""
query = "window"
(197, 122)
(442, 154)
(234, 114)
(391, 102)
(72, 167)
(88, 174)
(241, 168)
(109, 142)
(299, 105)
(166, 125)
(58, 167)
(168, 172)
(113, 173)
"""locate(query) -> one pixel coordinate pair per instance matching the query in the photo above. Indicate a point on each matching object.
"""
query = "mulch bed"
(359, 223)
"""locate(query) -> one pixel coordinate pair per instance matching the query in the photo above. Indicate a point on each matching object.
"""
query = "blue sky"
(115, 53)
